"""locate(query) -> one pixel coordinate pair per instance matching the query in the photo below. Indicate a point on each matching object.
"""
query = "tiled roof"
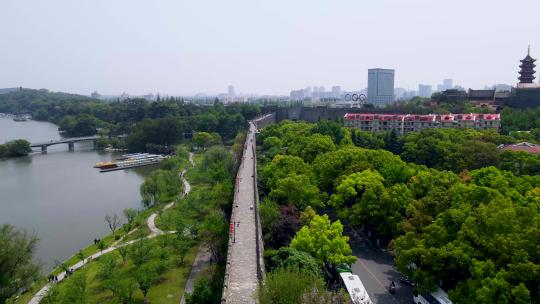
(522, 147)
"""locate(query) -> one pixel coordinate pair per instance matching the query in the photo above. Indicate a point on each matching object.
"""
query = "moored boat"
(105, 165)
(130, 161)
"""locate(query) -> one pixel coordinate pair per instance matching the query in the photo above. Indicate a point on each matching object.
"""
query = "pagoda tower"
(526, 74)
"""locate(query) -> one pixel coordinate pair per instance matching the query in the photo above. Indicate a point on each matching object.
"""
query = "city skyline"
(263, 48)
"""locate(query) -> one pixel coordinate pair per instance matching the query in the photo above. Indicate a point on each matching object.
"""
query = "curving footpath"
(151, 225)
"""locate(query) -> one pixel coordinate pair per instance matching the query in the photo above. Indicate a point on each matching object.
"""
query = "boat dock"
(127, 161)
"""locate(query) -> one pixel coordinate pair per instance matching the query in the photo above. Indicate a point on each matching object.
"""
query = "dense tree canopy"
(324, 241)
(15, 148)
(452, 216)
(152, 126)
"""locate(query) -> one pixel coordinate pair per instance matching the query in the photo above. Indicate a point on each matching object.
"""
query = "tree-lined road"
(376, 270)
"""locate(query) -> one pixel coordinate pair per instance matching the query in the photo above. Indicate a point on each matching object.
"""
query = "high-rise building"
(440, 88)
(336, 92)
(297, 95)
(380, 86)
(308, 92)
(399, 93)
(448, 84)
(231, 92)
(424, 90)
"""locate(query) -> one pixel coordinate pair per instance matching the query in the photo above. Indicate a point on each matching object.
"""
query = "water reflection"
(59, 195)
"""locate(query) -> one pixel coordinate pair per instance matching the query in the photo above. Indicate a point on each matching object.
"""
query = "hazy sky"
(185, 47)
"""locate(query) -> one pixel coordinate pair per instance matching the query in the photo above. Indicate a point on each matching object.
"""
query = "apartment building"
(404, 123)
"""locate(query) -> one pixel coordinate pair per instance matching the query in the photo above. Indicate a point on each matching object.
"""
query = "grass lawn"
(91, 249)
(169, 289)
(27, 296)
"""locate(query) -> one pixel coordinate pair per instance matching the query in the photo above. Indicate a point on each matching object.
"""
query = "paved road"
(241, 282)
(375, 269)
(202, 260)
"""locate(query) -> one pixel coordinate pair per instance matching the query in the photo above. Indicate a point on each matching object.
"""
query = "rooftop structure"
(522, 147)
(481, 95)
(454, 94)
(404, 123)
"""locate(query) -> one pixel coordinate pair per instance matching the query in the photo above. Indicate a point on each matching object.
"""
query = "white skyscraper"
(380, 86)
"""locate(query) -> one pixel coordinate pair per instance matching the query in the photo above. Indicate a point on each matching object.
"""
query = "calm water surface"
(59, 196)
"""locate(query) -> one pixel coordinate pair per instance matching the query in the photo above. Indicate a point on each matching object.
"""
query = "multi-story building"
(231, 94)
(380, 86)
(404, 123)
(336, 91)
(297, 95)
(424, 90)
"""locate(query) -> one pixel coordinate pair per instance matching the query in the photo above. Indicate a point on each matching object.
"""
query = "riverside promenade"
(154, 231)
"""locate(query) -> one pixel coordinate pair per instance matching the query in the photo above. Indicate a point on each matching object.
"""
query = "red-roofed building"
(522, 147)
(411, 122)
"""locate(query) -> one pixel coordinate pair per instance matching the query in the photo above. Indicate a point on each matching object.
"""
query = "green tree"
(202, 293)
(123, 250)
(101, 245)
(366, 139)
(15, 148)
(182, 244)
(331, 128)
(76, 288)
(282, 166)
(287, 286)
(146, 276)
(160, 186)
(204, 140)
(290, 258)
(363, 198)
(475, 154)
(17, 270)
(81, 256)
(297, 190)
(324, 241)
(269, 213)
(214, 234)
(140, 252)
(130, 215)
(53, 296)
(317, 144)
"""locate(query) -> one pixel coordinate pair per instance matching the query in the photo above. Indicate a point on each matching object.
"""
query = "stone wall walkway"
(241, 279)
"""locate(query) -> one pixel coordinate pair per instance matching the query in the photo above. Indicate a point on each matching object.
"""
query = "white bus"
(356, 289)
(436, 297)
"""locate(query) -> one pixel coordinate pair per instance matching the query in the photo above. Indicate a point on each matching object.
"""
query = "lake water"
(59, 196)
